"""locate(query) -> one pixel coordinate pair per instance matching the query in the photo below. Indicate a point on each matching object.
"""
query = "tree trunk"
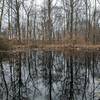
(71, 21)
(2, 10)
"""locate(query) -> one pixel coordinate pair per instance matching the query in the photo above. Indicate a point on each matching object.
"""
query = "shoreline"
(52, 47)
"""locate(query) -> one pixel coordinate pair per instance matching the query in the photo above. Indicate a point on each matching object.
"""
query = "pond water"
(50, 75)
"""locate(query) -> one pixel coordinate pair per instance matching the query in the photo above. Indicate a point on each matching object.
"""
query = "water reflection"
(46, 75)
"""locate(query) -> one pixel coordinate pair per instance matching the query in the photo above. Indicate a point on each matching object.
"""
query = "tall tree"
(49, 20)
(17, 6)
(28, 10)
(94, 23)
(71, 21)
(2, 11)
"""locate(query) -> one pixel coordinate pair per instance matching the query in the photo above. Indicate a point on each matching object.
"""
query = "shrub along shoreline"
(7, 45)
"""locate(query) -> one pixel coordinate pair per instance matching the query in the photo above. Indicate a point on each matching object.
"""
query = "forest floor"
(57, 47)
(14, 46)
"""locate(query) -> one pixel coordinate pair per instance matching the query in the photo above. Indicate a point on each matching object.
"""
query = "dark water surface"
(50, 75)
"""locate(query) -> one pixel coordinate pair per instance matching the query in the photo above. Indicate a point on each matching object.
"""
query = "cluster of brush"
(4, 44)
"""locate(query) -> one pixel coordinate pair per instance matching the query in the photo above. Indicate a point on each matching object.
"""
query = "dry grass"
(66, 44)
(4, 44)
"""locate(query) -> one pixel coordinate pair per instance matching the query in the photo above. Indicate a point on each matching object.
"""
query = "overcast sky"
(39, 2)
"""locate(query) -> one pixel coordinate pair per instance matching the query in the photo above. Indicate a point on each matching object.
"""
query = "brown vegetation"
(78, 43)
(4, 44)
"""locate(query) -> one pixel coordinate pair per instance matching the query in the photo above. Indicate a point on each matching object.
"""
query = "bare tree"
(2, 12)
(28, 12)
(49, 19)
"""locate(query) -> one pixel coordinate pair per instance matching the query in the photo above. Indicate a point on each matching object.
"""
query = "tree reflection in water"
(47, 75)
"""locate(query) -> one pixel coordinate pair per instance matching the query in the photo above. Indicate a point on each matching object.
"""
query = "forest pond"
(50, 75)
